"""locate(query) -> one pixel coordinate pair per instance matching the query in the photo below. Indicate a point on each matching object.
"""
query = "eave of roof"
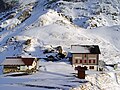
(83, 53)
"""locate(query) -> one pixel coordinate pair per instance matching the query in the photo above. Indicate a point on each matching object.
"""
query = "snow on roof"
(18, 61)
(13, 61)
(92, 49)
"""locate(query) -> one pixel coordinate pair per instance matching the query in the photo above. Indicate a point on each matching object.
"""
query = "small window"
(80, 61)
(76, 60)
(91, 67)
(89, 61)
(93, 61)
(85, 61)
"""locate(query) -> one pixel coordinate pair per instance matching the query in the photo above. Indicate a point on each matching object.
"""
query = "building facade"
(85, 55)
(19, 64)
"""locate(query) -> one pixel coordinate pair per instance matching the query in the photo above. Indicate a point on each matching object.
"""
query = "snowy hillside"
(51, 23)
(89, 13)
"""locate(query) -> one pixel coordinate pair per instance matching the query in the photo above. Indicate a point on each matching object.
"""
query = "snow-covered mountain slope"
(89, 13)
(57, 34)
(53, 29)
(51, 23)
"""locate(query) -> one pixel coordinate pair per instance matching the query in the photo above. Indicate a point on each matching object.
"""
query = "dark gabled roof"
(28, 61)
(85, 49)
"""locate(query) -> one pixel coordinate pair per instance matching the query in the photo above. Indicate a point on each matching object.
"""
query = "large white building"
(85, 55)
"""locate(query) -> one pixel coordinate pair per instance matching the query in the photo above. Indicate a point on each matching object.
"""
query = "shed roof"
(28, 61)
(85, 49)
(18, 61)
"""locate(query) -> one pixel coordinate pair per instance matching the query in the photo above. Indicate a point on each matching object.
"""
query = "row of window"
(91, 67)
(84, 61)
(83, 58)
(86, 56)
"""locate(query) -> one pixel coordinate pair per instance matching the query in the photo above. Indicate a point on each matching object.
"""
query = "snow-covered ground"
(58, 76)
(52, 75)
(47, 27)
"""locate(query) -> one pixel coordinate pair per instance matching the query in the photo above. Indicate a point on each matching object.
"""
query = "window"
(80, 61)
(91, 67)
(76, 60)
(93, 61)
(85, 61)
(89, 61)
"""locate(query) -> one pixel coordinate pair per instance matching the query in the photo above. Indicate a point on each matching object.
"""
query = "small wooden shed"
(81, 71)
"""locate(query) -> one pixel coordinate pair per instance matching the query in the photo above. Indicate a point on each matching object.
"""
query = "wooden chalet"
(85, 55)
(20, 64)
